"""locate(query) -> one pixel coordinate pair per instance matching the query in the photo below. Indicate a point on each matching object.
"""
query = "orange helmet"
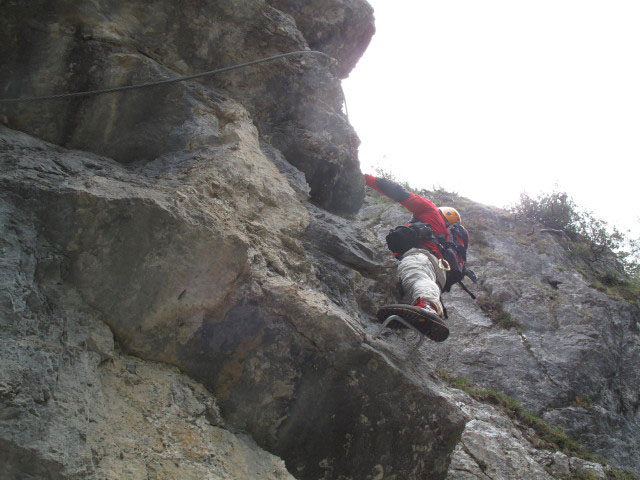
(451, 214)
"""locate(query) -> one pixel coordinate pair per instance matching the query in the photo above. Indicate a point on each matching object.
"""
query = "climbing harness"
(168, 81)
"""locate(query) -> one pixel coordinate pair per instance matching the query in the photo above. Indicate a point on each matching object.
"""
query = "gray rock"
(575, 343)
(71, 404)
(172, 307)
(296, 102)
(329, 26)
(285, 363)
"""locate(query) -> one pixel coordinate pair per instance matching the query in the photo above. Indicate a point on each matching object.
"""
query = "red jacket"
(422, 208)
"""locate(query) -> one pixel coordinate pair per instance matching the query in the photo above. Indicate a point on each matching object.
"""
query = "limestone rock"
(571, 342)
(173, 306)
(71, 404)
(186, 271)
(79, 46)
(329, 26)
(492, 447)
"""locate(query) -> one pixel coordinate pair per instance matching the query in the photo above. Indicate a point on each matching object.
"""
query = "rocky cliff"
(190, 275)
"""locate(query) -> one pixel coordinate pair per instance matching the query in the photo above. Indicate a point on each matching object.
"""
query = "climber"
(432, 254)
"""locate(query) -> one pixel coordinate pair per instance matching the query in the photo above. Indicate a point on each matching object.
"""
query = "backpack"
(405, 237)
(455, 253)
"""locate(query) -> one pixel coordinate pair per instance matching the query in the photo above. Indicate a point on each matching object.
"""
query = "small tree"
(554, 210)
(601, 237)
(630, 258)
(558, 211)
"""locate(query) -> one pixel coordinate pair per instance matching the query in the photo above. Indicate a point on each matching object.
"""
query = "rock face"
(328, 27)
(220, 288)
(179, 298)
(569, 353)
(67, 46)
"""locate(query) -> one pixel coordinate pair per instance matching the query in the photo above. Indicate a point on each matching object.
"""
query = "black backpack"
(405, 237)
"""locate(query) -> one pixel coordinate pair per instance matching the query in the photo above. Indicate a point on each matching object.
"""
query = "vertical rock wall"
(178, 230)
(52, 47)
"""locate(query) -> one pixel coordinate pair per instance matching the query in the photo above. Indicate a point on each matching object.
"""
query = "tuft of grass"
(581, 475)
(611, 473)
(584, 401)
(480, 239)
(549, 436)
(493, 308)
(615, 474)
(629, 291)
(622, 291)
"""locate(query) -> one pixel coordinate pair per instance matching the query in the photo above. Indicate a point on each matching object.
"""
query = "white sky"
(514, 95)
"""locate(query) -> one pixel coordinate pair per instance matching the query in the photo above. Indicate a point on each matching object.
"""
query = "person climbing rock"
(432, 253)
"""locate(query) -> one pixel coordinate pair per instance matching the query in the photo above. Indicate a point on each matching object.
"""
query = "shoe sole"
(429, 324)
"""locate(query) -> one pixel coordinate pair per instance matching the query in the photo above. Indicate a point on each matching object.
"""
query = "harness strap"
(464, 287)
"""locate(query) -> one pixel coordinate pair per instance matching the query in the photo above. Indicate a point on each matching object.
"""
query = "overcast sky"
(493, 98)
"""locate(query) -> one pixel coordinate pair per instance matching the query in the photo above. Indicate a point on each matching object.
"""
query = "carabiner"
(444, 265)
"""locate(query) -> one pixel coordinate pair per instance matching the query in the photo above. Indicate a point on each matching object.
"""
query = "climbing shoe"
(428, 306)
(424, 319)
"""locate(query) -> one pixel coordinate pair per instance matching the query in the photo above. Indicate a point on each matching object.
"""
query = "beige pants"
(422, 277)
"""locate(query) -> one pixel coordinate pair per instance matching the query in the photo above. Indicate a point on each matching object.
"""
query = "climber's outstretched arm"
(387, 187)
(419, 206)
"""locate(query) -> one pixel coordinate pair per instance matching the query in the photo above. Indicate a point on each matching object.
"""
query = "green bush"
(592, 238)
(553, 210)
